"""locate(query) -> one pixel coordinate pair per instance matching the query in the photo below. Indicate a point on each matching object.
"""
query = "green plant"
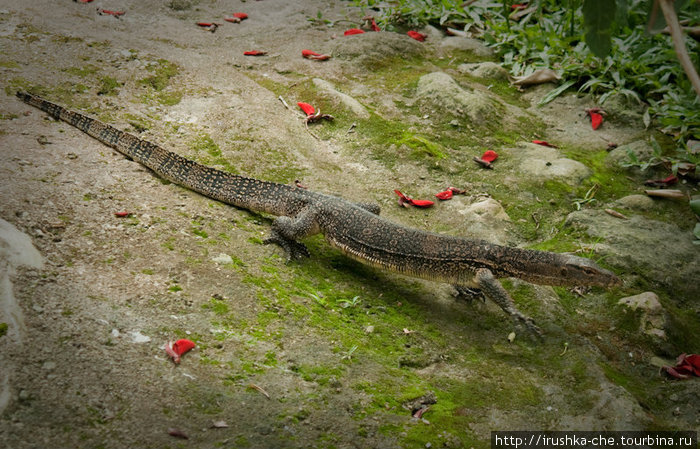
(639, 66)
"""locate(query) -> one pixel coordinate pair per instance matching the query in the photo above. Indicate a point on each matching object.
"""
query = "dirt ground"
(318, 353)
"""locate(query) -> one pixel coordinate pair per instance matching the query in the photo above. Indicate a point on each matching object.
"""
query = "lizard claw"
(469, 294)
(530, 325)
(293, 249)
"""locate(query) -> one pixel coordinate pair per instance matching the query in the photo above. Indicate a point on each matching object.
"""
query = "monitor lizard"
(354, 228)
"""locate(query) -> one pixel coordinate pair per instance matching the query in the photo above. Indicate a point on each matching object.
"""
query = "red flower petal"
(489, 156)
(255, 53)
(232, 19)
(122, 214)
(240, 15)
(307, 53)
(673, 373)
(422, 203)
(101, 11)
(518, 6)
(544, 143)
(596, 120)
(446, 195)
(375, 27)
(307, 108)
(669, 180)
(352, 31)
(694, 361)
(182, 346)
(205, 24)
(417, 36)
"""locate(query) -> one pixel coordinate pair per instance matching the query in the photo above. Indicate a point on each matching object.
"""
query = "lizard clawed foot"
(529, 324)
(469, 294)
(293, 249)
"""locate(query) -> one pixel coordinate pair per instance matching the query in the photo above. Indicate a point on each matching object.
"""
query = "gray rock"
(486, 218)
(543, 163)
(653, 320)
(370, 49)
(487, 70)
(466, 44)
(439, 90)
(658, 251)
(636, 202)
(641, 148)
(349, 102)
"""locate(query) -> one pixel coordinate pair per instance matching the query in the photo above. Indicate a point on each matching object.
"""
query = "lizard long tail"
(240, 191)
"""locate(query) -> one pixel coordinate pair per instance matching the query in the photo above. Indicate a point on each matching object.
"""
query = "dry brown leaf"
(538, 77)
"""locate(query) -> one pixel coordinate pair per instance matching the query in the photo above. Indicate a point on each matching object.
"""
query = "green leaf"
(695, 206)
(556, 92)
(598, 18)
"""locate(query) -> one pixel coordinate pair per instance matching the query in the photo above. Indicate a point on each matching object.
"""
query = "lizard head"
(574, 270)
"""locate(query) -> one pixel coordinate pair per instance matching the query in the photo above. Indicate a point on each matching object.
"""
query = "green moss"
(108, 86)
(3, 329)
(86, 71)
(9, 64)
(174, 288)
(203, 143)
(163, 70)
(218, 306)
(423, 146)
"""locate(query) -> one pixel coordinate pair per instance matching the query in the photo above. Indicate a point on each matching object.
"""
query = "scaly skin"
(356, 229)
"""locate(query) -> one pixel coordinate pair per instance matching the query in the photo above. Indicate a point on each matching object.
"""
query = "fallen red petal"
(352, 31)
(178, 433)
(182, 346)
(544, 143)
(404, 201)
(109, 12)
(232, 19)
(307, 108)
(255, 53)
(518, 6)
(122, 214)
(669, 180)
(205, 24)
(307, 53)
(446, 195)
(240, 15)
(375, 27)
(596, 120)
(694, 361)
(673, 373)
(83, 1)
(171, 352)
(417, 36)
(489, 156)
(422, 203)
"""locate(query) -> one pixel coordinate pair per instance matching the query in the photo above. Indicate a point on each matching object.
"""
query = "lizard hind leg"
(286, 232)
(493, 290)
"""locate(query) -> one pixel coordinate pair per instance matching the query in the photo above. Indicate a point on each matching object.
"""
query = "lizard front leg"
(493, 290)
(286, 231)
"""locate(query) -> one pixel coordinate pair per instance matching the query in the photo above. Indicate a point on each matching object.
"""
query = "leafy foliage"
(639, 66)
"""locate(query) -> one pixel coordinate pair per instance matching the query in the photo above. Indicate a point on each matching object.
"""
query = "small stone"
(223, 259)
(49, 366)
(138, 337)
(23, 395)
(369, 329)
